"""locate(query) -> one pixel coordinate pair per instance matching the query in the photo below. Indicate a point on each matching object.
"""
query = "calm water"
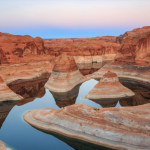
(19, 135)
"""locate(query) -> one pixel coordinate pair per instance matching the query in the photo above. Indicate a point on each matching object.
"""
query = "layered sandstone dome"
(109, 88)
(6, 93)
(65, 75)
(117, 128)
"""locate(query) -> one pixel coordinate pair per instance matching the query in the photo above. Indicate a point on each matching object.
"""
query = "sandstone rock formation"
(66, 98)
(6, 93)
(109, 88)
(5, 108)
(14, 47)
(65, 75)
(117, 128)
(2, 146)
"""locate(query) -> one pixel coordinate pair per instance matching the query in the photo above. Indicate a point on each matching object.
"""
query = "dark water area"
(19, 135)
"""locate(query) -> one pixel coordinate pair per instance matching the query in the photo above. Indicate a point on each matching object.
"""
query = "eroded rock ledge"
(119, 128)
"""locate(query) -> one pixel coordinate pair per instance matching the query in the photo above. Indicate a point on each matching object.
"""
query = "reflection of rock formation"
(86, 68)
(29, 90)
(107, 103)
(65, 75)
(142, 96)
(108, 88)
(6, 93)
(5, 108)
(2, 146)
(116, 128)
(66, 98)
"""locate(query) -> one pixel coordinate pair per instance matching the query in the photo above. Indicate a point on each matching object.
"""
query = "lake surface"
(19, 135)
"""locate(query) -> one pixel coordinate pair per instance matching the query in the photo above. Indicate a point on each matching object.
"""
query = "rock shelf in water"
(109, 87)
(65, 75)
(118, 128)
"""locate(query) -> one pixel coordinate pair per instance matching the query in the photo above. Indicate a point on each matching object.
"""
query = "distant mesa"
(6, 94)
(109, 88)
(114, 128)
(65, 75)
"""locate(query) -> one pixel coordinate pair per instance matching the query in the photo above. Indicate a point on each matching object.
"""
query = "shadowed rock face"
(5, 108)
(107, 103)
(67, 98)
(117, 128)
(29, 90)
(65, 75)
(2, 146)
(6, 93)
(109, 88)
(142, 96)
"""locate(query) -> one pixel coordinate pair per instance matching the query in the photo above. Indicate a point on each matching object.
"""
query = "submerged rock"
(117, 128)
(2, 146)
(6, 93)
(108, 88)
(65, 75)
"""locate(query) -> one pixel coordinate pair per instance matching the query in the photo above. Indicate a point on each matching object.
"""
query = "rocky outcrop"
(13, 48)
(134, 32)
(2, 146)
(117, 128)
(6, 94)
(109, 88)
(65, 75)
(135, 50)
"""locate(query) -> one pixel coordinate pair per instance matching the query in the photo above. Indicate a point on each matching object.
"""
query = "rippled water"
(19, 135)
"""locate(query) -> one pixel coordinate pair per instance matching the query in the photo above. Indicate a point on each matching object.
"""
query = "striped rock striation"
(117, 128)
(6, 94)
(109, 88)
(2, 146)
(65, 75)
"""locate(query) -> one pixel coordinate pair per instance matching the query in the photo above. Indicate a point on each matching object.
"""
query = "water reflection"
(29, 90)
(89, 68)
(66, 98)
(5, 108)
(107, 102)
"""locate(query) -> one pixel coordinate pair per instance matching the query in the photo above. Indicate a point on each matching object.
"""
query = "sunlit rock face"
(29, 90)
(116, 128)
(84, 50)
(5, 108)
(65, 75)
(2, 146)
(108, 88)
(66, 98)
(142, 96)
(6, 93)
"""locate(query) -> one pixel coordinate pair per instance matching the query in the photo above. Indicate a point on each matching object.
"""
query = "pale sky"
(55, 18)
